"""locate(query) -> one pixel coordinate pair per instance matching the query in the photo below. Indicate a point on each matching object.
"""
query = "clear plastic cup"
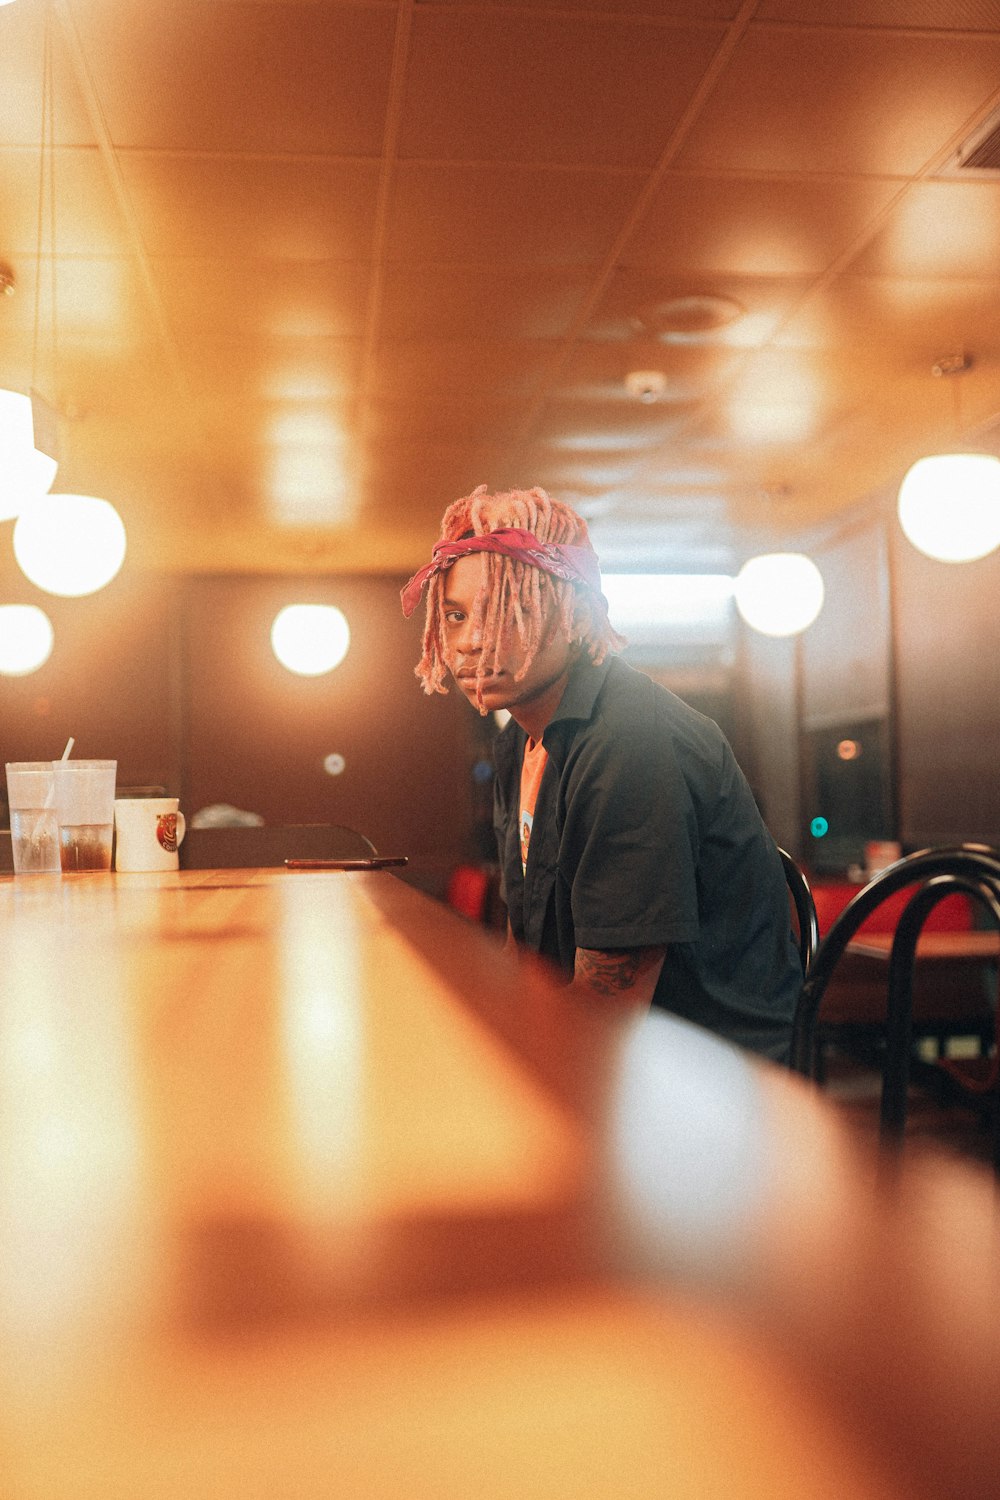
(85, 806)
(34, 827)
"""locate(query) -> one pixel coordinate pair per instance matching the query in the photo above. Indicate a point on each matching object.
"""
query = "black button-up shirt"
(646, 833)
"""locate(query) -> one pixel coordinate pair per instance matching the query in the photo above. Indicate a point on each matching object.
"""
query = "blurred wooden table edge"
(739, 1288)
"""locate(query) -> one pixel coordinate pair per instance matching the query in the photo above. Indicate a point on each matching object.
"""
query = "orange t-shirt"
(532, 771)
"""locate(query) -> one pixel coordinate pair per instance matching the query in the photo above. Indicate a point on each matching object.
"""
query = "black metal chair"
(270, 844)
(805, 910)
(973, 869)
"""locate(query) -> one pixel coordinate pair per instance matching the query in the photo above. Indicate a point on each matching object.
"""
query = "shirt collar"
(585, 682)
(577, 703)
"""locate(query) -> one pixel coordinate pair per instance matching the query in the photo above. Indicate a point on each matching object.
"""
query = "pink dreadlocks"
(515, 598)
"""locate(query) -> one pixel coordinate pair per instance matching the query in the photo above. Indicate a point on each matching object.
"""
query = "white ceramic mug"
(147, 833)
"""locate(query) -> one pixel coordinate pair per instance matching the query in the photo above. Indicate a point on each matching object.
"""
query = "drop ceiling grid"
(971, 100)
(242, 241)
(452, 212)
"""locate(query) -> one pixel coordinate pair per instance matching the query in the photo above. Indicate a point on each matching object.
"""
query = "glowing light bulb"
(310, 639)
(24, 471)
(779, 593)
(69, 544)
(26, 638)
(949, 506)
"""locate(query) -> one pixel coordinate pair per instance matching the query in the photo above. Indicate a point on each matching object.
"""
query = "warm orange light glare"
(949, 506)
(779, 593)
(24, 471)
(69, 544)
(772, 422)
(310, 639)
(25, 639)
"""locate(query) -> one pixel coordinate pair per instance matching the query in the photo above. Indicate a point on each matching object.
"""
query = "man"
(631, 850)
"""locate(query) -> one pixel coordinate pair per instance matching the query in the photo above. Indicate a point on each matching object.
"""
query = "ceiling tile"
(101, 299)
(252, 208)
(682, 311)
(782, 393)
(431, 475)
(591, 473)
(455, 302)
(598, 371)
(88, 219)
(949, 15)
(754, 226)
(422, 370)
(287, 370)
(896, 321)
(939, 228)
(277, 299)
(506, 216)
(841, 101)
(682, 10)
(22, 71)
(176, 75)
(125, 400)
(478, 419)
(606, 426)
(496, 85)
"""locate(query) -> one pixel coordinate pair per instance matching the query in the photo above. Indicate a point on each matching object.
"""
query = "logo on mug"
(166, 832)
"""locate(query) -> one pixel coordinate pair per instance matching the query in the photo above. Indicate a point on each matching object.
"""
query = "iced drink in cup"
(85, 804)
(34, 828)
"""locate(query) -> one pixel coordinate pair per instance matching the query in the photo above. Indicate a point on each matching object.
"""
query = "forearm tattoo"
(609, 973)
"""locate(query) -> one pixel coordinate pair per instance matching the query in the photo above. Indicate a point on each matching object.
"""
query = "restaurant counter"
(309, 1188)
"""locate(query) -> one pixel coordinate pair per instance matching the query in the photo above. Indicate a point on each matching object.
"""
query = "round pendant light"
(69, 544)
(949, 503)
(310, 639)
(25, 639)
(24, 471)
(779, 593)
(949, 506)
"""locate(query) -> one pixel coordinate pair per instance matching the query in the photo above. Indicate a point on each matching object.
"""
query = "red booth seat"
(953, 914)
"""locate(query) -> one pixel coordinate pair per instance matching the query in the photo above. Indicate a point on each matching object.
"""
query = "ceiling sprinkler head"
(648, 385)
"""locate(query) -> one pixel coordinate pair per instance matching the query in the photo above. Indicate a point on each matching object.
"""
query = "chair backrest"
(805, 910)
(270, 844)
(937, 873)
(899, 1014)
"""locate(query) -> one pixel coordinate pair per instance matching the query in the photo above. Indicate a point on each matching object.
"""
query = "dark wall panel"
(846, 666)
(947, 627)
(257, 735)
(846, 653)
(768, 715)
(110, 681)
(176, 679)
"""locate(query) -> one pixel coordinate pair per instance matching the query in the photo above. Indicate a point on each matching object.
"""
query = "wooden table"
(308, 1189)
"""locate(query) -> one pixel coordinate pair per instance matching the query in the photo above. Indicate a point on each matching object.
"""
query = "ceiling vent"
(981, 152)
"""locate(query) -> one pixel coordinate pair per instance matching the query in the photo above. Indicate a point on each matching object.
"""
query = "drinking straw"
(50, 795)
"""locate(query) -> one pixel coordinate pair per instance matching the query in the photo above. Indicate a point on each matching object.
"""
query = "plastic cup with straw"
(34, 825)
(85, 808)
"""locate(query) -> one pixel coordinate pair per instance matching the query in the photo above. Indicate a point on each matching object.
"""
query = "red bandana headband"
(578, 564)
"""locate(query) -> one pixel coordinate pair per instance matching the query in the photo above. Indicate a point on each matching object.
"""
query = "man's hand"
(627, 974)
